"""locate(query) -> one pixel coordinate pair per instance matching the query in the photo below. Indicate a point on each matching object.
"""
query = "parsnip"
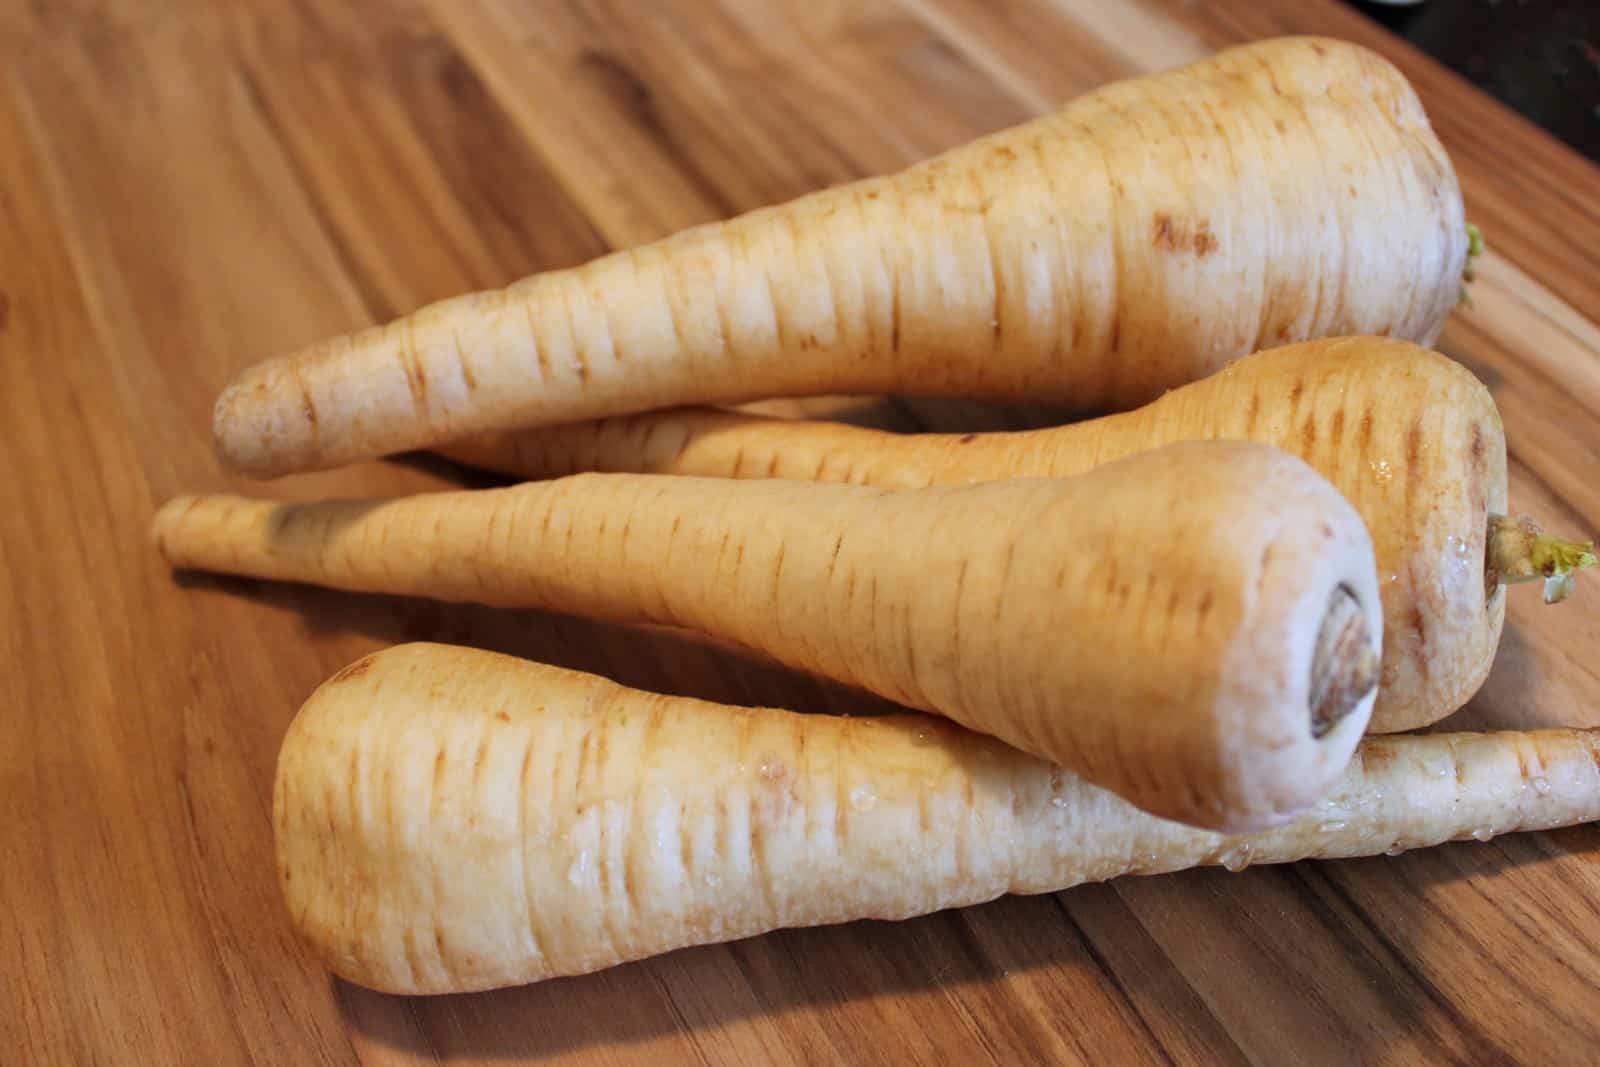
(1135, 240)
(1409, 437)
(449, 819)
(1196, 628)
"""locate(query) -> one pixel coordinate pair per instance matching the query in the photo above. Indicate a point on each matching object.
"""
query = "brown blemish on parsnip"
(354, 670)
(1174, 236)
(1419, 627)
(479, 761)
(602, 747)
(1374, 757)
(583, 757)
(775, 795)
(411, 363)
(308, 407)
(894, 318)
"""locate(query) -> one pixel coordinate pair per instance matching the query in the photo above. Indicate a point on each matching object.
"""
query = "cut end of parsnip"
(1345, 668)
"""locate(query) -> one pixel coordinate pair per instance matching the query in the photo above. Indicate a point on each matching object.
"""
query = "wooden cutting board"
(188, 187)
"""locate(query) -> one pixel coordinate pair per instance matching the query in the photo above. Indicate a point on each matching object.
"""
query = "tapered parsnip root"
(1153, 624)
(1137, 239)
(1409, 437)
(449, 819)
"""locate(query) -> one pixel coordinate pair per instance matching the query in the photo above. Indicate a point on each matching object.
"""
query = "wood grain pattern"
(186, 188)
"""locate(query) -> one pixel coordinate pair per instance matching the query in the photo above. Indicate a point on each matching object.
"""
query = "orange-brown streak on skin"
(353, 671)
(411, 360)
(469, 379)
(307, 406)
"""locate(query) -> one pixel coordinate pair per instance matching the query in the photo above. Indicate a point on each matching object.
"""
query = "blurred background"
(1541, 57)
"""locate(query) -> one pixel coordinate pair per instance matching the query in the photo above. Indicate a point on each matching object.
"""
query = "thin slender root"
(1519, 551)
(1345, 667)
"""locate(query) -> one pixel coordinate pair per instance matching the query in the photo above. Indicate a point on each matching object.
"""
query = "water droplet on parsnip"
(1333, 826)
(1058, 802)
(1541, 785)
(1237, 859)
(863, 798)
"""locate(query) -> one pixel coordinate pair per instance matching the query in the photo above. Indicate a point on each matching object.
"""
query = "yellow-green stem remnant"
(1520, 552)
(1475, 248)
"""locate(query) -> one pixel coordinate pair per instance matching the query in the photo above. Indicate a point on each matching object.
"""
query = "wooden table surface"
(187, 187)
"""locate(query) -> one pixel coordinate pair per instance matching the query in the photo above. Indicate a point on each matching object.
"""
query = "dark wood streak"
(1315, 881)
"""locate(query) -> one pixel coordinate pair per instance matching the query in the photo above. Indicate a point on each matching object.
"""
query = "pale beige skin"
(1137, 239)
(449, 819)
(1151, 624)
(1411, 438)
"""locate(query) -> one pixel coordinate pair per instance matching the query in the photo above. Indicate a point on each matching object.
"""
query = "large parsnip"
(1137, 239)
(449, 819)
(1196, 628)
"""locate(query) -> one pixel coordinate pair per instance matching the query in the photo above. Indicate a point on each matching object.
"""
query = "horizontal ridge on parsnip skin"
(1137, 239)
(449, 820)
(1411, 438)
(1156, 624)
